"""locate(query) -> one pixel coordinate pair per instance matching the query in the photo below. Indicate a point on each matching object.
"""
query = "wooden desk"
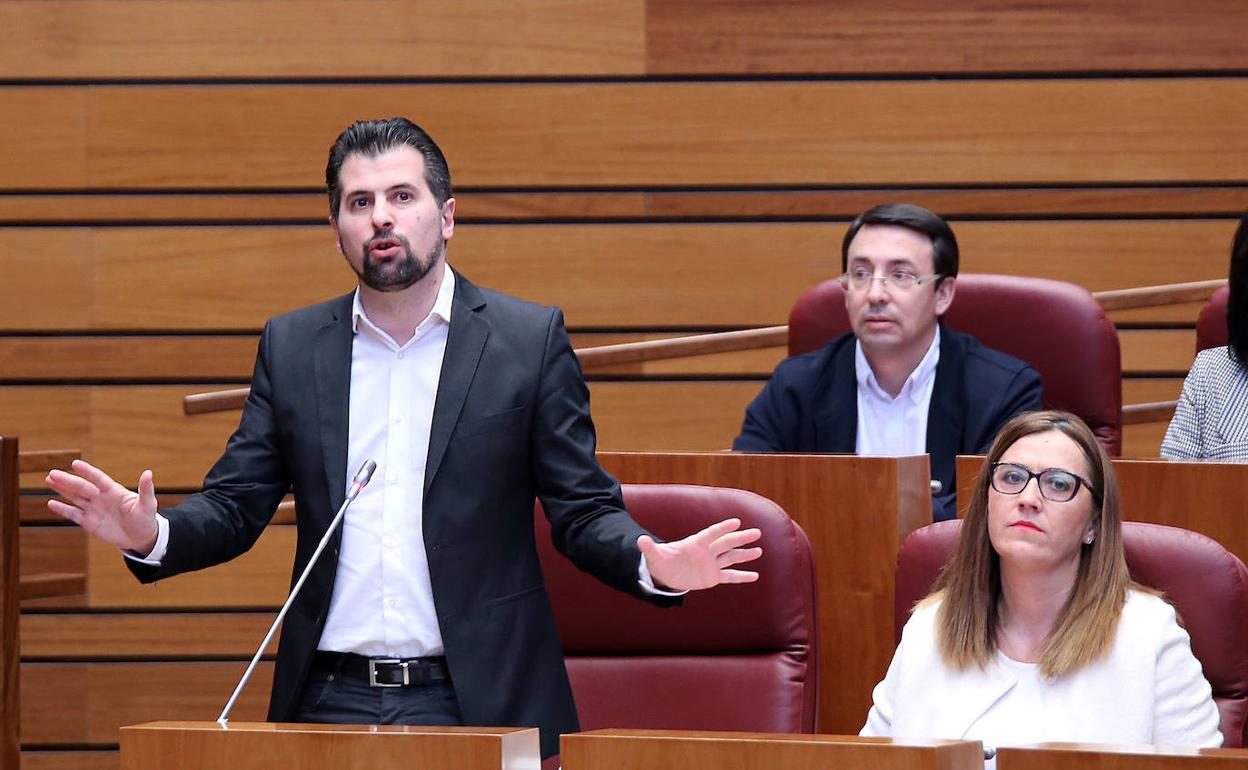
(1206, 497)
(631, 749)
(856, 511)
(1088, 756)
(265, 745)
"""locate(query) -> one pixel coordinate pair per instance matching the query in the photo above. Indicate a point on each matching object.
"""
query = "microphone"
(362, 477)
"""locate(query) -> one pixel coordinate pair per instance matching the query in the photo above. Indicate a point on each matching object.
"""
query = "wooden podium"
(856, 511)
(1089, 756)
(263, 746)
(681, 750)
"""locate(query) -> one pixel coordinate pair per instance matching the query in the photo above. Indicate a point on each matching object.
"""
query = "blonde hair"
(969, 587)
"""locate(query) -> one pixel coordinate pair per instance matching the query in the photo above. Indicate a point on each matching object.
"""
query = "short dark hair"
(1237, 297)
(911, 217)
(372, 138)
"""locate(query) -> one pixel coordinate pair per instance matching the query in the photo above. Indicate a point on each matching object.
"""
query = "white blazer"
(1148, 690)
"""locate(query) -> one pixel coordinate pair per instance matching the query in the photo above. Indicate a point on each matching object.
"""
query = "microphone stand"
(358, 483)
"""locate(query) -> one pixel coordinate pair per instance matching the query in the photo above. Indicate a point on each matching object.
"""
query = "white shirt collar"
(441, 310)
(915, 387)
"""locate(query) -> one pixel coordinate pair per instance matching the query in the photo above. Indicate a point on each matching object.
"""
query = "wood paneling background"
(652, 167)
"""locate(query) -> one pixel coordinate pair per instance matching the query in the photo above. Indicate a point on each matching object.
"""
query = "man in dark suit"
(902, 382)
(430, 607)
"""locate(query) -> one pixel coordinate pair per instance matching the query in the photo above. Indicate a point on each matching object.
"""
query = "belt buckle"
(372, 672)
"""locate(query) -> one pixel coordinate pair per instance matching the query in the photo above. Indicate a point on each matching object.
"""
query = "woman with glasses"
(1034, 630)
(1211, 418)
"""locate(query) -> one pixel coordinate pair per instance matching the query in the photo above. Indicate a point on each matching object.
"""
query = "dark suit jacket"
(510, 423)
(811, 405)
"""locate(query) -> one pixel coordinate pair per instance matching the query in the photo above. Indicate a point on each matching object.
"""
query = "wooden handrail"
(683, 347)
(1155, 296)
(1152, 411)
(755, 339)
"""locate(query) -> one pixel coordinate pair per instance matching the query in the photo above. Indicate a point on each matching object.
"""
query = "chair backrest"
(1059, 328)
(1211, 324)
(736, 657)
(1206, 583)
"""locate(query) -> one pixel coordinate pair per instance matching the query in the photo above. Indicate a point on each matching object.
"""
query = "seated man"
(901, 383)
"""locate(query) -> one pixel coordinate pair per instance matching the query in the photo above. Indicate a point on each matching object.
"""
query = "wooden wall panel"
(130, 429)
(280, 39)
(186, 39)
(913, 36)
(1157, 350)
(71, 760)
(43, 136)
(102, 635)
(603, 275)
(129, 357)
(85, 703)
(629, 134)
(258, 578)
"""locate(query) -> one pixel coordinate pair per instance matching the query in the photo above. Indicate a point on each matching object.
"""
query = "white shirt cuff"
(162, 543)
(647, 583)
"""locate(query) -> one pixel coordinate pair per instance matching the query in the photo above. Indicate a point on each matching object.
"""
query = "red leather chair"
(1059, 328)
(1205, 582)
(1211, 324)
(736, 657)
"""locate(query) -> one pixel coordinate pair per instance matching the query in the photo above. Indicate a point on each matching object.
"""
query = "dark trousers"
(330, 697)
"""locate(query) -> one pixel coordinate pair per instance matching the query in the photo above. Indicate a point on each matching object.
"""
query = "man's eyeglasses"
(860, 278)
(1055, 484)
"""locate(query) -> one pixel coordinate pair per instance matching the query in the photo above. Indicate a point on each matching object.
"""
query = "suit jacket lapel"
(332, 365)
(464, 344)
(836, 421)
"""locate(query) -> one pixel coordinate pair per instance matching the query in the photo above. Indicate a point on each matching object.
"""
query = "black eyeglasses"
(1055, 485)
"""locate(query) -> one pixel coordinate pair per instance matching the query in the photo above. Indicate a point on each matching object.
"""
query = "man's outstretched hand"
(704, 559)
(105, 508)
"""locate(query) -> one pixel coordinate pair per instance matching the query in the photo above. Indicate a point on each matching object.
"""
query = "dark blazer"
(510, 423)
(811, 405)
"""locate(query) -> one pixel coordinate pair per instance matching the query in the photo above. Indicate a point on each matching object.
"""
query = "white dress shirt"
(894, 427)
(382, 603)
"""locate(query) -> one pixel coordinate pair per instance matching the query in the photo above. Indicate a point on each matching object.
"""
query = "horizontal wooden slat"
(476, 206)
(147, 634)
(567, 38)
(214, 278)
(130, 357)
(645, 134)
(906, 36)
(1157, 350)
(86, 703)
(282, 39)
(105, 759)
(1138, 390)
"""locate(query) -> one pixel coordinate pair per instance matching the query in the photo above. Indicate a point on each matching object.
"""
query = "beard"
(399, 273)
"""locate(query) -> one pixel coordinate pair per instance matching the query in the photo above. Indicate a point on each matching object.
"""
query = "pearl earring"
(1088, 538)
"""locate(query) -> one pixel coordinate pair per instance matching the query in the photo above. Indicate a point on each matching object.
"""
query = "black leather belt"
(385, 672)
